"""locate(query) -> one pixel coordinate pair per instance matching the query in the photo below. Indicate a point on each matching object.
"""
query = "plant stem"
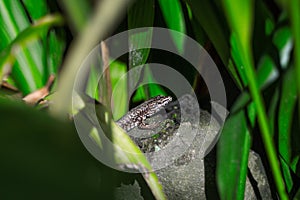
(263, 122)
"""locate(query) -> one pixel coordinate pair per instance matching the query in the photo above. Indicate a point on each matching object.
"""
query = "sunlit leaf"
(55, 50)
(266, 72)
(241, 25)
(236, 56)
(36, 9)
(283, 41)
(119, 85)
(29, 71)
(174, 18)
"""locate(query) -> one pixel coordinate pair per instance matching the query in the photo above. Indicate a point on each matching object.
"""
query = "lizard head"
(159, 102)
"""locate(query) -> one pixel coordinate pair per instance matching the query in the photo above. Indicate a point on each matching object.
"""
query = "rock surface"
(177, 151)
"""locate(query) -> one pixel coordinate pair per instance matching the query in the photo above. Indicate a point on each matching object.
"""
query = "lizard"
(137, 116)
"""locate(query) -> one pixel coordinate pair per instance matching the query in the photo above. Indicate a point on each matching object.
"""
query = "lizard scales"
(137, 116)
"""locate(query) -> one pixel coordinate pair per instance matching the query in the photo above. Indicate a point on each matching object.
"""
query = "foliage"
(258, 45)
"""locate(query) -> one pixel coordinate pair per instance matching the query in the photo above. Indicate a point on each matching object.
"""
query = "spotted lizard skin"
(137, 116)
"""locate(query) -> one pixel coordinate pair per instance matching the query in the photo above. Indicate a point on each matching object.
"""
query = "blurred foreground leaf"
(44, 158)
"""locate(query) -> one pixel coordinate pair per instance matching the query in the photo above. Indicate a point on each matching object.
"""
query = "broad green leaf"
(36, 9)
(141, 14)
(55, 48)
(293, 9)
(266, 75)
(232, 157)
(24, 39)
(154, 89)
(212, 25)
(208, 20)
(92, 88)
(239, 14)
(174, 18)
(45, 156)
(283, 41)
(140, 94)
(233, 149)
(286, 112)
(236, 56)
(147, 91)
(286, 174)
(294, 12)
(267, 72)
(53, 43)
(119, 85)
(233, 72)
(28, 69)
(200, 35)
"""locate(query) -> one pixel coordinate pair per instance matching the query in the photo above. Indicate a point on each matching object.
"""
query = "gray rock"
(177, 153)
(128, 192)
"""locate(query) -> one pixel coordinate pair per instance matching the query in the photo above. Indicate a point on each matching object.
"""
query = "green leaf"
(287, 174)
(26, 37)
(283, 41)
(267, 71)
(56, 44)
(141, 14)
(213, 25)
(286, 112)
(53, 43)
(174, 18)
(239, 14)
(154, 89)
(21, 44)
(44, 155)
(236, 56)
(28, 69)
(294, 12)
(36, 9)
(140, 95)
(200, 35)
(92, 88)
(147, 91)
(215, 29)
(119, 84)
(232, 157)
(272, 112)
